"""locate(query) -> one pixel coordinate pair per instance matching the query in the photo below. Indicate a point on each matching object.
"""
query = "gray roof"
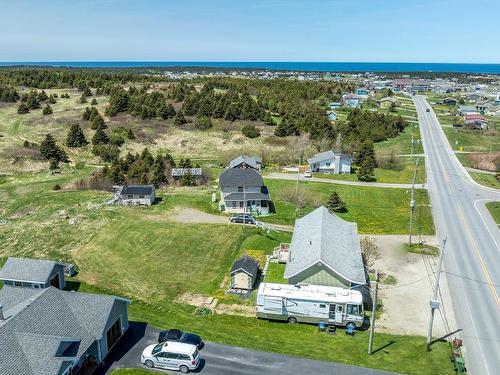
(240, 177)
(246, 264)
(38, 320)
(23, 269)
(323, 237)
(246, 196)
(251, 161)
(316, 158)
(137, 190)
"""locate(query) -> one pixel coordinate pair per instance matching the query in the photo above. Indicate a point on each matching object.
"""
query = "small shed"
(244, 273)
(33, 273)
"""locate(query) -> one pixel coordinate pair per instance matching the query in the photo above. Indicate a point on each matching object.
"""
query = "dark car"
(177, 335)
(427, 110)
(243, 218)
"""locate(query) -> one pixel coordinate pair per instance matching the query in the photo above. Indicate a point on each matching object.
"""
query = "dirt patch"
(193, 215)
(197, 300)
(406, 302)
(200, 300)
(234, 309)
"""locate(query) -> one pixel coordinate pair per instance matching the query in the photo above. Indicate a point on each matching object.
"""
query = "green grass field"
(485, 179)
(494, 208)
(275, 273)
(473, 140)
(376, 210)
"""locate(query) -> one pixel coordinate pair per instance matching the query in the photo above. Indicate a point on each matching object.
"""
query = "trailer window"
(322, 305)
(353, 310)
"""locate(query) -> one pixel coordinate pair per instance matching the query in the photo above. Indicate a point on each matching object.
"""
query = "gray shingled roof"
(23, 269)
(240, 177)
(34, 327)
(321, 156)
(246, 264)
(323, 237)
(138, 190)
(251, 161)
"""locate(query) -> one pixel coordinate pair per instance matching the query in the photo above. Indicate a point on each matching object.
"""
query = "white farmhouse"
(329, 162)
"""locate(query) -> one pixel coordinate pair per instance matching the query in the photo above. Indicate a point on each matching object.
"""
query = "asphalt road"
(220, 359)
(472, 253)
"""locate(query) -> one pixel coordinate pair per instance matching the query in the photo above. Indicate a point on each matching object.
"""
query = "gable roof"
(246, 264)
(30, 270)
(248, 160)
(137, 190)
(316, 158)
(39, 321)
(324, 237)
(240, 177)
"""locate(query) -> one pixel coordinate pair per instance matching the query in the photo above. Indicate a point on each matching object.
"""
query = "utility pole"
(412, 199)
(434, 301)
(374, 311)
(412, 141)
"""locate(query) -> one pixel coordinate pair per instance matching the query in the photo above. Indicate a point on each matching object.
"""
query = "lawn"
(376, 210)
(473, 140)
(494, 208)
(402, 143)
(275, 273)
(404, 176)
(485, 179)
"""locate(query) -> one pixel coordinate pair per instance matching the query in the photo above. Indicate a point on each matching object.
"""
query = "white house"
(134, 195)
(329, 162)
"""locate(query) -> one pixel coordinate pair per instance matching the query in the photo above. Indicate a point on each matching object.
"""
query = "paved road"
(228, 360)
(472, 251)
(293, 177)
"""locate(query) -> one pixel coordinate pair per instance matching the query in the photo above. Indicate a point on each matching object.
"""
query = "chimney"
(1, 313)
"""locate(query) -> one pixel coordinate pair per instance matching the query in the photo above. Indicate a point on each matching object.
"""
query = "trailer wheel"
(292, 320)
(351, 324)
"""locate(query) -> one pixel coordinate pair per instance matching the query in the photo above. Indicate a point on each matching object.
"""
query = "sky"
(253, 30)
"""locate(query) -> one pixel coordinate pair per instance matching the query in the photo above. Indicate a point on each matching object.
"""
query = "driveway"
(293, 177)
(225, 360)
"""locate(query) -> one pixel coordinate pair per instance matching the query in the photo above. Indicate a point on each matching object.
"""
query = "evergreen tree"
(52, 99)
(250, 131)
(268, 119)
(130, 134)
(93, 102)
(51, 151)
(83, 98)
(86, 114)
(202, 123)
(98, 123)
(87, 92)
(47, 110)
(32, 100)
(366, 171)
(179, 118)
(187, 180)
(42, 96)
(93, 113)
(75, 137)
(166, 111)
(285, 128)
(146, 157)
(158, 172)
(185, 163)
(366, 154)
(100, 137)
(335, 203)
(232, 112)
(22, 109)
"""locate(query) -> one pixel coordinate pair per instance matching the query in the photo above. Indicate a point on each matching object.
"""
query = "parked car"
(176, 335)
(308, 174)
(427, 110)
(243, 218)
(171, 356)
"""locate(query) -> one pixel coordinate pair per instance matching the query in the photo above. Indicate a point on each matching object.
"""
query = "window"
(234, 204)
(184, 357)
(141, 196)
(322, 305)
(240, 189)
(327, 164)
(130, 196)
(241, 204)
(339, 308)
(18, 283)
(114, 333)
(171, 355)
(354, 309)
(263, 203)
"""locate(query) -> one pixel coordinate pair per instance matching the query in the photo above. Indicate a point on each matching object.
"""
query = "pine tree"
(158, 176)
(268, 119)
(187, 179)
(146, 157)
(83, 98)
(47, 110)
(366, 154)
(75, 137)
(42, 96)
(93, 102)
(202, 123)
(22, 109)
(86, 114)
(185, 163)
(179, 119)
(98, 123)
(32, 101)
(52, 99)
(100, 137)
(130, 134)
(51, 151)
(93, 113)
(335, 203)
(366, 171)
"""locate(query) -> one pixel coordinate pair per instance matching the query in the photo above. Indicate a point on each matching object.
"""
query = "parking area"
(224, 360)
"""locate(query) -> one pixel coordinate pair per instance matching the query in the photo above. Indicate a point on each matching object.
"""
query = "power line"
(471, 279)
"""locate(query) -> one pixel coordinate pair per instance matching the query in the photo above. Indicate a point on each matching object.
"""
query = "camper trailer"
(310, 304)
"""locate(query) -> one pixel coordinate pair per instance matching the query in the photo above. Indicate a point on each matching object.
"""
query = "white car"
(171, 356)
(308, 174)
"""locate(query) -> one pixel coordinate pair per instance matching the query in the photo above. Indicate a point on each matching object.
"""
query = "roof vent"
(310, 242)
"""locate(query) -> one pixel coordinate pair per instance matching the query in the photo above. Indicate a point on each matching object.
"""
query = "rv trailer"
(310, 304)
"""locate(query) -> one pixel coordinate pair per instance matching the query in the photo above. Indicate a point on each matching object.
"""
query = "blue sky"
(252, 30)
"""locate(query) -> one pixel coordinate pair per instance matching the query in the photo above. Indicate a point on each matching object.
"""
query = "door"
(331, 312)
(55, 281)
(172, 361)
(339, 314)
(161, 360)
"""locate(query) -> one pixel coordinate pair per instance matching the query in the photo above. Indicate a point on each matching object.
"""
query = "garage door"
(114, 333)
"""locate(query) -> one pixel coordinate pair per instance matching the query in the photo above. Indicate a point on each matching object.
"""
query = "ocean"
(386, 67)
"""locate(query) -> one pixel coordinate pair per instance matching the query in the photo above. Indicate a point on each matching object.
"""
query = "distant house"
(476, 121)
(33, 273)
(134, 195)
(332, 116)
(335, 105)
(48, 331)
(325, 250)
(497, 99)
(351, 101)
(362, 92)
(243, 190)
(450, 101)
(493, 110)
(330, 162)
(244, 161)
(179, 172)
(388, 101)
(244, 273)
(467, 109)
(483, 107)
(473, 97)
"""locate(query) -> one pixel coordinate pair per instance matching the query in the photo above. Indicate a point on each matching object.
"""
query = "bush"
(203, 311)
(391, 161)
(22, 109)
(250, 131)
(202, 123)
(56, 187)
(108, 153)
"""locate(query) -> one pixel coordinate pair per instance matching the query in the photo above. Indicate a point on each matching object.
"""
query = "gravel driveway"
(225, 360)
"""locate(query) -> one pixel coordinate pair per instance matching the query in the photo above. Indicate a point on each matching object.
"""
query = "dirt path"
(406, 304)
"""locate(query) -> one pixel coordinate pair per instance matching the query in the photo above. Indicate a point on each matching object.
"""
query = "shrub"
(202, 123)
(203, 311)
(56, 187)
(22, 109)
(250, 131)
(108, 153)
